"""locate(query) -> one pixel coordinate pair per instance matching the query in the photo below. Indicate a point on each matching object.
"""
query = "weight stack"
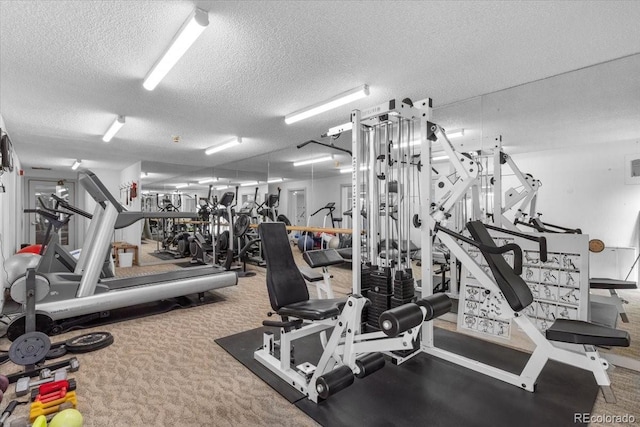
(365, 277)
(395, 302)
(403, 285)
(379, 304)
(381, 281)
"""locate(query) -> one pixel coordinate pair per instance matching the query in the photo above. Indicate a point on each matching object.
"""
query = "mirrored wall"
(550, 127)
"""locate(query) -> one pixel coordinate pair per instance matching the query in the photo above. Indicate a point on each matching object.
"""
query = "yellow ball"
(67, 418)
(41, 421)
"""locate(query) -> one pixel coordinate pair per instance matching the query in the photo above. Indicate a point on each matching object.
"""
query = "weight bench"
(320, 258)
(347, 353)
(580, 333)
(612, 285)
(511, 296)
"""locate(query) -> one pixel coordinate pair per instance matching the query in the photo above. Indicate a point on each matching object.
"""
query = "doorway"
(298, 207)
(40, 196)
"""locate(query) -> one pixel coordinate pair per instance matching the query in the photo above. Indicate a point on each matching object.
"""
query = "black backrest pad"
(285, 283)
(513, 287)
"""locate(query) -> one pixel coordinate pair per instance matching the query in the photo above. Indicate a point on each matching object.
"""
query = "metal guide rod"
(356, 205)
(373, 194)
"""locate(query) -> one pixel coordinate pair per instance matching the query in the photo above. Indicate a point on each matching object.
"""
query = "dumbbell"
(24, 421)
(24, 384)
(73, 366)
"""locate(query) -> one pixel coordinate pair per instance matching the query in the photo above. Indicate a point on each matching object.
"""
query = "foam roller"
(334, 381)
(369, 363)
(436, 305)
(395, 321)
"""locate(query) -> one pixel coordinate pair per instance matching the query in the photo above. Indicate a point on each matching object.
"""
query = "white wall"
(585, 188)
(129, 175)
(318, 192)
(11, 210)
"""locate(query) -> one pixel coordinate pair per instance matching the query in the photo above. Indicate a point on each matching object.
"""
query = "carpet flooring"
(166, 370)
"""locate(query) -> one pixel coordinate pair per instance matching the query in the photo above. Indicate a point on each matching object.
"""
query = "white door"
(297, 207)
(40, 195)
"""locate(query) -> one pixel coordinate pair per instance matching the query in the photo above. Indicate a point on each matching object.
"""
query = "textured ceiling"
(67, 68)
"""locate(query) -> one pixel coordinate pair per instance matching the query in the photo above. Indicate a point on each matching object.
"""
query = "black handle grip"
(543, 249)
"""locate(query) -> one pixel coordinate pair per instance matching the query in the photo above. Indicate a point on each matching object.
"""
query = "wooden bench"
(117, 246)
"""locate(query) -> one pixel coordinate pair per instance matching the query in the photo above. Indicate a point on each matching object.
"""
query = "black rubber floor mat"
(428, 390)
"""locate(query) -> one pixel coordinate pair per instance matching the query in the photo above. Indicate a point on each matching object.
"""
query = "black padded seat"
(322, 258)
(288, 293)
(310, 275)
(513, 287)
(579, 332)
(314, 309)
(602, 283)
(345, 253)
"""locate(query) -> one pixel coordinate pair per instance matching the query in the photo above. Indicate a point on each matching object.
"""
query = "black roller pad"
(427, 390)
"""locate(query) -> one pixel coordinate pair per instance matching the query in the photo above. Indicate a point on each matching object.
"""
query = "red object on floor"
(31, 249)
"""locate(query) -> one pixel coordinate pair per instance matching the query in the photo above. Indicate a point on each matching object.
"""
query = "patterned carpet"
(166, 370)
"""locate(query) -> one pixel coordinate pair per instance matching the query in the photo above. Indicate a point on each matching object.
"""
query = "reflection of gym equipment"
(85, 296)
(348, 353)
(307, 242)
(54, 257)
(227, 242)
(175, 238)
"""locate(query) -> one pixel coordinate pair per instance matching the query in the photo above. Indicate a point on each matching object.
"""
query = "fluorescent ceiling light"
(182, 41)
(207, 180)
(222, 187)
(274, 180)
(311, 161)
(76, 164)
(336, 130)
(181, 185)
(329, 104)
(113, 129)
(217, 148)
(350, 168)
(247, 184)
(455, 133)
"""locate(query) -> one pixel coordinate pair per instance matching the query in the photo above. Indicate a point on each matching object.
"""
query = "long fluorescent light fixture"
(207, 180)
(76, 164)
(454, 133)
(311, 161)
(329, 104)
(114, 128)
(274, 180)
(216, 148)
(222, 187)
(182, 41)
(248, 184)
(181, 186)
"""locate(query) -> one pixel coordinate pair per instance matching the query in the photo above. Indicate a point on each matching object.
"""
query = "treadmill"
(83, 292)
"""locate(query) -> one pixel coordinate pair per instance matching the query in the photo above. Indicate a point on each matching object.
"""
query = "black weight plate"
(241, 226)
(56, 352)
(89, 342)
(222, 243)
(29, 349)
(16, 328)
(282, 218)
